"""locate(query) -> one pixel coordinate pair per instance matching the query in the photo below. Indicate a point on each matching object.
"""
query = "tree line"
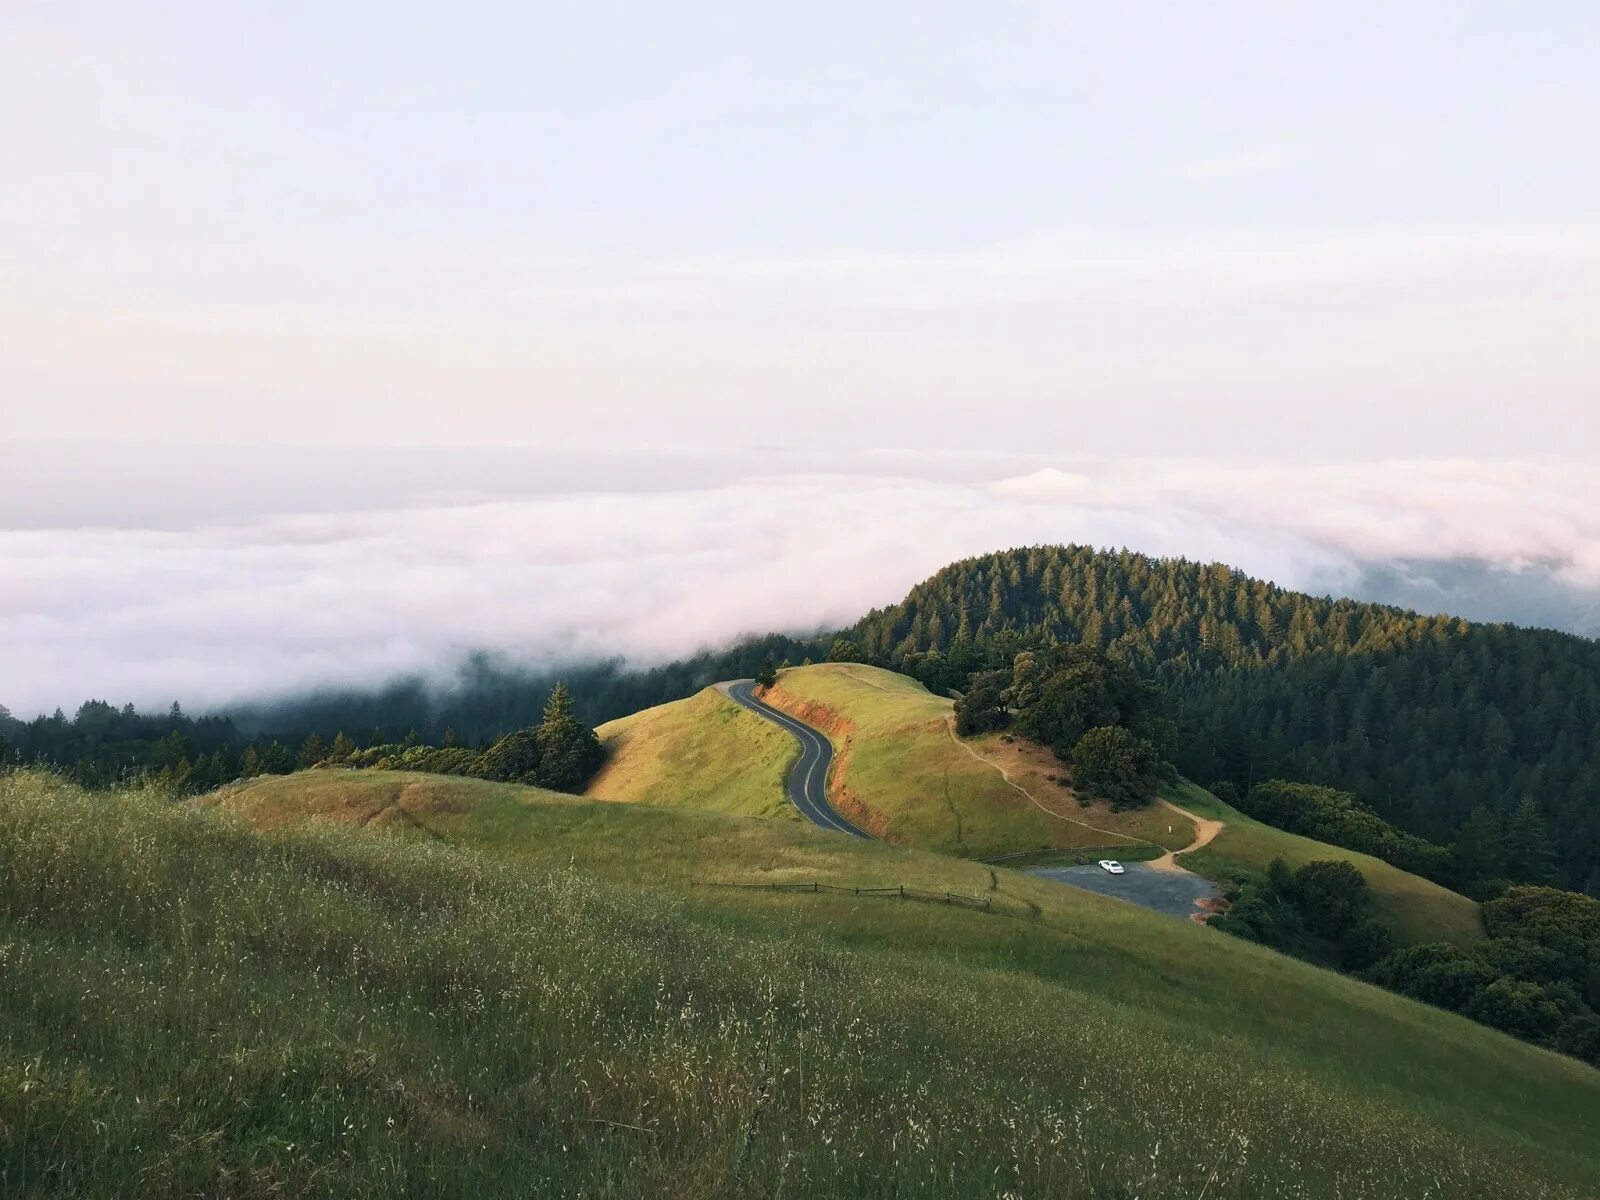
(486, 698)
(102, 746)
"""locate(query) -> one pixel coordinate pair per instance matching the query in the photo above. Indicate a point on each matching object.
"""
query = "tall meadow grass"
(191, 1008)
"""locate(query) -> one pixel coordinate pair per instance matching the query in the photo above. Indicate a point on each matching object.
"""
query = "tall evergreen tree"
(312, 751)
(250, 762)
(569, 751)
(846, 651)
(1530, 854)
(1478, 850)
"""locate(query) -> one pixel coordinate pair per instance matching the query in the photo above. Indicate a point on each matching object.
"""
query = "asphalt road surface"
(807, 785)
(1175, 893)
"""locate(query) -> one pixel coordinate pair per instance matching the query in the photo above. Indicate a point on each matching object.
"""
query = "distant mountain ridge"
(1425, 717)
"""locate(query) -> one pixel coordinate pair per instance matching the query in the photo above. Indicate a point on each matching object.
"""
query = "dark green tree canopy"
(514, 758)
(569, 751)
(1116, 763)
(1529, 852)
(844, 650)
(1331, 894)
(1061, 692)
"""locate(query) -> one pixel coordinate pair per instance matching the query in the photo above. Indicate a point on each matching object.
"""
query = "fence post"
(902, 891)
(813, 888)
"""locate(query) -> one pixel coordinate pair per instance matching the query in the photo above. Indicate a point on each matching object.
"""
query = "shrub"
(1522, 1009)
(1111, 761)
(1365, 942)
(1330, 895)
(1438, 973)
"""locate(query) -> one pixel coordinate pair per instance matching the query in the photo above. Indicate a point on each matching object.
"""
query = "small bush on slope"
(190, 1008)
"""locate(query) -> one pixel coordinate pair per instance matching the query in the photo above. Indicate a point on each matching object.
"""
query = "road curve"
(807, 784)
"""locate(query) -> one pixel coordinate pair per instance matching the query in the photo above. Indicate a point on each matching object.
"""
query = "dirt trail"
(872, 683)
(1205, 830)
(1121, 839)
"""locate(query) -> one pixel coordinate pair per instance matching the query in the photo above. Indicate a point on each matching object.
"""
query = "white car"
(1111, 866)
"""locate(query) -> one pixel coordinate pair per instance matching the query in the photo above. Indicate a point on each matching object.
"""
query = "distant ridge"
(1426, 717)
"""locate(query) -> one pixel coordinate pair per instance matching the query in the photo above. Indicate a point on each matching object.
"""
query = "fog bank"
(268, 589)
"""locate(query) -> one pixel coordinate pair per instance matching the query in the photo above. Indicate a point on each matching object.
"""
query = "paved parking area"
(1170, 892)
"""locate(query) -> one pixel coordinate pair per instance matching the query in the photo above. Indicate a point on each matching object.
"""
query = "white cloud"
(281, 602)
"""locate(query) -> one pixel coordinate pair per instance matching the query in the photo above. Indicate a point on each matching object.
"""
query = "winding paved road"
(808, 778)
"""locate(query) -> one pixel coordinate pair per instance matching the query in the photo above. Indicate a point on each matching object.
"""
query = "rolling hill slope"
(511, 992)
(704, 752)
(1416, 909)
(901, 774)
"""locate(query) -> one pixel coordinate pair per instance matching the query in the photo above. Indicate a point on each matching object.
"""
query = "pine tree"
(312, 751)
(1530, 854)
(342, 748)
(569, 751)
(1478, 850)
(277, 760)
(558, 707)
(845, 651)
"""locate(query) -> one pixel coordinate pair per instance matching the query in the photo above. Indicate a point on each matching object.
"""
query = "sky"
(1239, 228)
(306, 289)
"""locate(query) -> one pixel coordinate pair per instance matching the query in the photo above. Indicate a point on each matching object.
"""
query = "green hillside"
(1416, 909)
(705, 752)
(901, 773)
(507, 993)
(896, 752)
(1423, 717)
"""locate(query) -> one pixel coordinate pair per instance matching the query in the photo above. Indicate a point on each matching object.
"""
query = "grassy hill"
(1416, 909)
(505, 993)
(705, 752)
(896, 751)
(901, 774)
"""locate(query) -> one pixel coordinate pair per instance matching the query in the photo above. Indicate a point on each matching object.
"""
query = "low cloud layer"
(281, 601)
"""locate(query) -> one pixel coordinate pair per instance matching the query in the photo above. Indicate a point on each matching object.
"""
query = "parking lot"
(1175, 893)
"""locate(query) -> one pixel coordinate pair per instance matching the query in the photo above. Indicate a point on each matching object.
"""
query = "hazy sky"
(1255, 229)
(322, 326)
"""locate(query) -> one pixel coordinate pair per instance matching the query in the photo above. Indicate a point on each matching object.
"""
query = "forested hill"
(1424, 717)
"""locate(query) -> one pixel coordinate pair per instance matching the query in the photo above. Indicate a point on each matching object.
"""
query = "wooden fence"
(981, 903)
